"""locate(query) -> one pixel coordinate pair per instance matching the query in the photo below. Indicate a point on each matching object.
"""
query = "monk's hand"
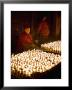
(36, 41)
(33, 45)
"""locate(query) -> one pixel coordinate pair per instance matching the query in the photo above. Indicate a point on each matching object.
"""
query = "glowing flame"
(32, 61)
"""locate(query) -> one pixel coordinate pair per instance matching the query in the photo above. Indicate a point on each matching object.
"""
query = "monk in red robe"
(25, 40)
(43, 30)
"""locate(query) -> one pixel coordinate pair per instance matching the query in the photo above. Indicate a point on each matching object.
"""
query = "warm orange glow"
(32, 61)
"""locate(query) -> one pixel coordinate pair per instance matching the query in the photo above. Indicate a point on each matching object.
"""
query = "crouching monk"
(25, 40)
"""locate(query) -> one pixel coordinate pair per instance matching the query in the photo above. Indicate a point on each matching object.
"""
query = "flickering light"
(52, 46)
(31, 61)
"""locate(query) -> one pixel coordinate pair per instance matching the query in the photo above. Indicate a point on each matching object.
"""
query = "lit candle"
(33, 61)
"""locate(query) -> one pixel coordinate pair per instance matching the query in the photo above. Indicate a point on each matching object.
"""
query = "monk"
(43, 30)
(25, 40)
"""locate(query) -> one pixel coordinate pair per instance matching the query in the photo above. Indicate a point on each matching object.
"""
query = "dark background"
(1, 37)
(20, 19)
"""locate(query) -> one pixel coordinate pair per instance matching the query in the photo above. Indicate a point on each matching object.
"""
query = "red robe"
(24, 40)
(43, 29)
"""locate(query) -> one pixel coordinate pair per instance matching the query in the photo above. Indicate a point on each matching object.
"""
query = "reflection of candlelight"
(32, 61)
